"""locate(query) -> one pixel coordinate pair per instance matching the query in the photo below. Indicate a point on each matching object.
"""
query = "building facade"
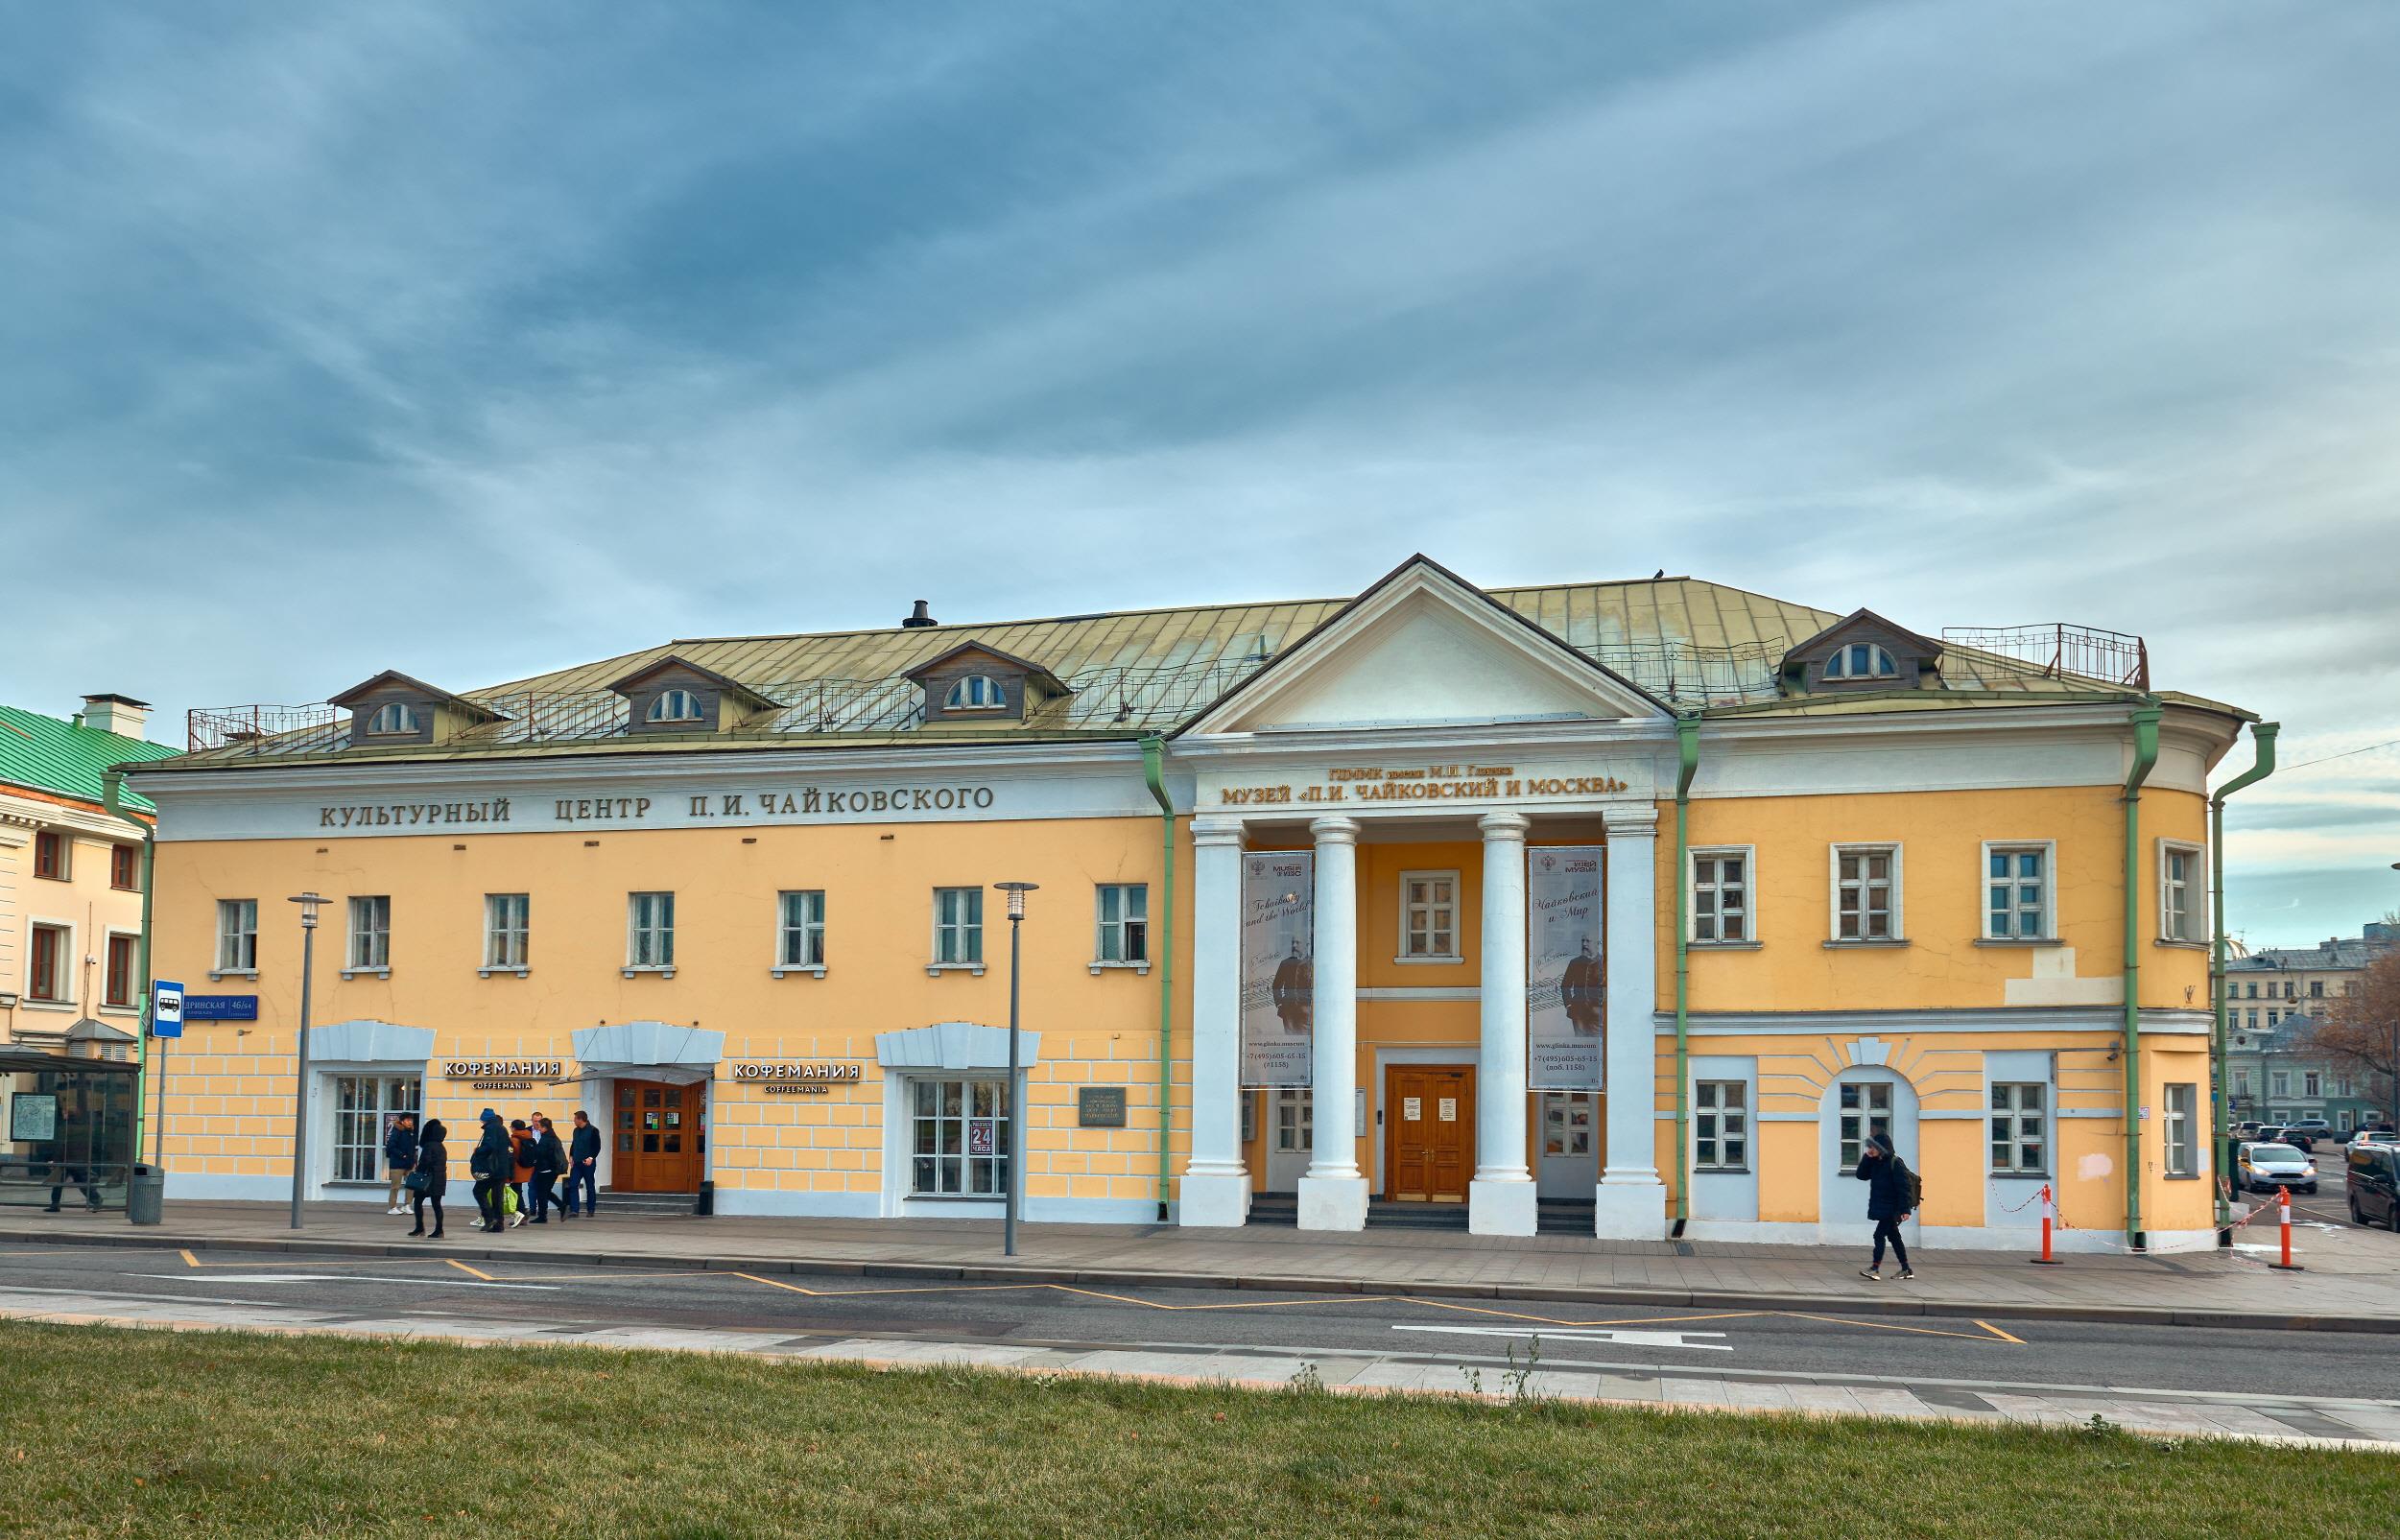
(1634, 907)
(2275, 998)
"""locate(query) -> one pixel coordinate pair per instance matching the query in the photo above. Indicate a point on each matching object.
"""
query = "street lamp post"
(308, 903)
(1016, 893)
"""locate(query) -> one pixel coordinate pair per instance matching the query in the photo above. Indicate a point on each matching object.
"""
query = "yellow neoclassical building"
(1625, 907)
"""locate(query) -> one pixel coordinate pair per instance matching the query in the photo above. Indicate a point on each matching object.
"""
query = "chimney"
(119, 714)
(917, 619)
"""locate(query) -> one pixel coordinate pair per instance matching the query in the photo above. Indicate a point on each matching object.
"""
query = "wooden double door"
(1428, 1132)
(661, 1137)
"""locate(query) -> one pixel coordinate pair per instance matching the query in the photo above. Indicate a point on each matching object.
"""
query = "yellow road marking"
(2003, 1335)
(189, 1258)
(473, 1271)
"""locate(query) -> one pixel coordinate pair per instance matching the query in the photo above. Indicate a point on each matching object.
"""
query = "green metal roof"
(48, 754)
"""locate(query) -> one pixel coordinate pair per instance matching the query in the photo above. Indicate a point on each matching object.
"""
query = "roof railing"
(2061, 651)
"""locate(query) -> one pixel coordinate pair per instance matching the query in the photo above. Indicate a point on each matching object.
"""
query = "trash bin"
(144, 1193)
(706, 1203)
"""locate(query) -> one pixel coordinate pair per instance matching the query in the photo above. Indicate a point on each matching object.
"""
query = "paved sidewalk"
(2269, 1419)
(2351, 1282)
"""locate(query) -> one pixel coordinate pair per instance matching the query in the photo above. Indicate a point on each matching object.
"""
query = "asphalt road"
(554, 1296)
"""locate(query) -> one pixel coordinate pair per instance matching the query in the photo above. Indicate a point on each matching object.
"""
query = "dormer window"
(977, 692)
(675, 705)
(1861, 660)
(393, 718)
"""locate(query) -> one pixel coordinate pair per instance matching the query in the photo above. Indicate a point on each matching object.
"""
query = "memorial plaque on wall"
(1099, 1107)
(1566, 970)
(1278, 972)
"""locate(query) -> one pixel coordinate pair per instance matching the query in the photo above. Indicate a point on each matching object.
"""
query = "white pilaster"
(1631, 1203)
(1333, 1195)
(1216, 1188)
(1501, 1199)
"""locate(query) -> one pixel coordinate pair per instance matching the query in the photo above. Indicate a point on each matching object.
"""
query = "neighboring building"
(2274, 999)
(1409, 915)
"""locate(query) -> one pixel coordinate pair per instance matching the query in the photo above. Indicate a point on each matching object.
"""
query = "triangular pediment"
(1425, 647)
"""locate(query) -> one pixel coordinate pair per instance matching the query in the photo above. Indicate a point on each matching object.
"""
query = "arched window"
(674, 705)
(392, 719)
(1861, 660)
(977, 692)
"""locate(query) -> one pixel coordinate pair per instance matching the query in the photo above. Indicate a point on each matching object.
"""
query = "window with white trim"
(1721, 1124)
(393, 718)
(47, 970)
(363, 1106)
(1296, 1120)
(508, 929)
(675, 705)
(1429, 916)
(1124, 923)
(801, 929)
(2242, 1082)
(959, 927)
(2181, 888)
(2016, 892)
(959, 1138)
(2177, 1129)
(2020, 1128)
(976, 692)
(1721, 896)
(370, 932)
(1864, 1109)
(2278, 1082)
(649, 929)
(117, 986)
(1861, 660)
(1867, 892)
(237, 935)
(2312, 1083)
(52, 850)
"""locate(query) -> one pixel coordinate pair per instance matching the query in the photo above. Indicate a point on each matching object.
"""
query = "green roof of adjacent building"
(65, 758)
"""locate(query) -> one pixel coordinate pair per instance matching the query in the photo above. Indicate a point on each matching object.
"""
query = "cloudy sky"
(478, 340)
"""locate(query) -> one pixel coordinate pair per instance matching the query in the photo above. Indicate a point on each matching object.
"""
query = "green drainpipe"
(1153, 755)
(2145, 755)
(2262, 741)
(111, 795)
(1687, 740)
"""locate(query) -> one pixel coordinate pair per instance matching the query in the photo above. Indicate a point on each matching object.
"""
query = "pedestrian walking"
(491, 1164)
(429, 1176)
(521, 1169)
(584, 1164)
(399, 1158)
(550, 1163)
(1891, 1197)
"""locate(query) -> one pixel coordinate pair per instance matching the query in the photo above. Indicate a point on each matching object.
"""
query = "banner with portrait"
(1279, 966)
(1566, 971)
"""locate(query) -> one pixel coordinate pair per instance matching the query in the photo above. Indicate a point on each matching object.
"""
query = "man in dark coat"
(584, 1164)
(399, 1157)
(1580, 991)
(1294, 991)
(550, 1163)
(494, 1164)
(1887, 1178)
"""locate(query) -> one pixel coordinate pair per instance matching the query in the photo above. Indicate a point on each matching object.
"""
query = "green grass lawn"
(111, 1431)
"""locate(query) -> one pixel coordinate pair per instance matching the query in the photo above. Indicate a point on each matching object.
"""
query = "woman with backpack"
(429, 1176)
(1891, 1197)
(493, 1161)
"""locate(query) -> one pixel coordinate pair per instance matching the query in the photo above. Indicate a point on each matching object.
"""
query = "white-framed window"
(2346, 1087)
(2312, 1083)
(1721, 894)
(2274, 1019)
(118, 985)
(2252, 1023)
(363, 1106)
(674, 705)
(1296, 1120)
(958, 927)
(1867, 892)
(1429, 916)
(2316, 987)
(959, 1138)
(2278, 1082)
(2181, 891)
(2242, 1082)
(2017, 891)
(2020, 1128)
(2176, 1129)
(1721, 1124)
(976, 692)
(508, 929)
(49, 969)
(53, 850)
(800, 928)
(237, 935)
(1862, 1109)
(393, 718)
(1861, 660)
(370, 932)
(649, 929)
(1124, 923)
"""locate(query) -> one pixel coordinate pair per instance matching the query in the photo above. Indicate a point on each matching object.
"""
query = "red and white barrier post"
(2283, 1212)
(2050, 1211)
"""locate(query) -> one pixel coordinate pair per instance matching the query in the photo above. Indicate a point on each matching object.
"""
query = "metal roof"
(49, 754)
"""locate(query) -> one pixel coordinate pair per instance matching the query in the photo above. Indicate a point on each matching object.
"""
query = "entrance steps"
(646, 1205)
(1558, 1216)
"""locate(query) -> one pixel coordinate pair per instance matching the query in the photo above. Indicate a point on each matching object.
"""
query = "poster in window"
(1566, 971)
(33, 1116)
(1278, 973)
(978, 1138)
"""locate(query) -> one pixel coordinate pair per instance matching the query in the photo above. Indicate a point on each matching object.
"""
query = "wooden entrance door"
(660, 1137)
(1428, 1132)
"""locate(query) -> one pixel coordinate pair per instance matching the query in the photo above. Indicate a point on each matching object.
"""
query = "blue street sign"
(220, 1007)
(166, 1008)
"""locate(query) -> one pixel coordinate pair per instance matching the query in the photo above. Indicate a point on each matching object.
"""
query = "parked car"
(2261, 1167)
(2278, 1133)
(2248, 1129)
(2375, 1136)
(2374, 1173)
(2313, 1127)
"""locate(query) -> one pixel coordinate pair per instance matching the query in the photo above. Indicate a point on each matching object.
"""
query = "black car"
(2374, 1172)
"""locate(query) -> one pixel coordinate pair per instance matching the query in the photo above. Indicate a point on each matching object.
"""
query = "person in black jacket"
(550, 1163)
(494, 1165)
(433, 1158)
(1887, 1178)
(584, 1164)
(399, 1158)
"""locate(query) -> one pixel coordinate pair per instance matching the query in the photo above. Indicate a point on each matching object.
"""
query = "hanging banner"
(1279, 971)
(1566, 970)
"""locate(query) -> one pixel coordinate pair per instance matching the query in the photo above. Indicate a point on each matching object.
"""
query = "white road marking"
(436, 1281)
(1633, 1339)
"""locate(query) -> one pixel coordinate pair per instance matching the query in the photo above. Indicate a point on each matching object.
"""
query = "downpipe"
(2263, 764)
(1687, 738)
(2145, 757)
(111, 797)
(1154, 774)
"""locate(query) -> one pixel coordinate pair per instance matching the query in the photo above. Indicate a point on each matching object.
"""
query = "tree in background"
(2363, 1034)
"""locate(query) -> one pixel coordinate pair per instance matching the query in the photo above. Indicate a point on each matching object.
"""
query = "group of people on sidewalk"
(517, 1166)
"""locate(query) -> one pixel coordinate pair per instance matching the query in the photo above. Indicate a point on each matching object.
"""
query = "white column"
(1216, 1186)
(1333, 1195)
(1500, 1199)
(1631, 1203)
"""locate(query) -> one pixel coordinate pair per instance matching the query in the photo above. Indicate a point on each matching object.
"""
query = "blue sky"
(478, 340)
